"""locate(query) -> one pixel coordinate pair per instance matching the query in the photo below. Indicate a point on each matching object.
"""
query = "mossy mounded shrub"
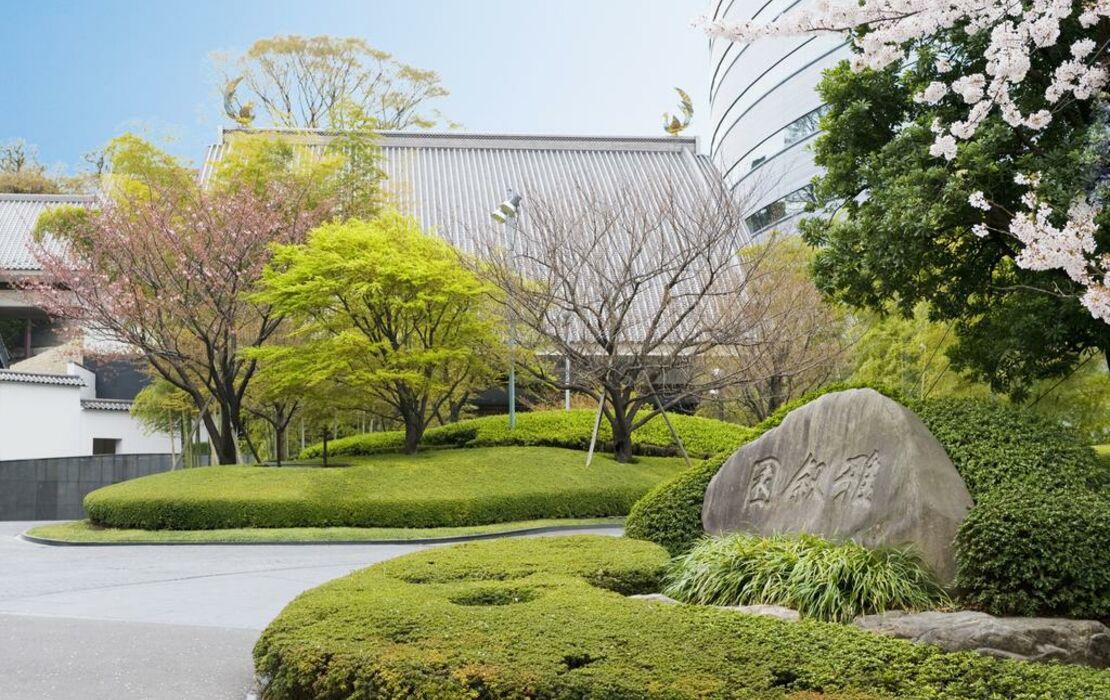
(547, 618)
(820, 579)
(571, 429)
(438, 488)
(995, 445)
(670, 513)
(1037, 553)
(997, 448)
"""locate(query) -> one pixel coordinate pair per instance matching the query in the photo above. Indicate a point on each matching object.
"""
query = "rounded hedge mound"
(570, 429)
(438, 488)
(670, 513)
(548, 618)
(995, 445)
(1037, 553)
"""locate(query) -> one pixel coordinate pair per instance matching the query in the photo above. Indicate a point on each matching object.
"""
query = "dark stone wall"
(52, 489)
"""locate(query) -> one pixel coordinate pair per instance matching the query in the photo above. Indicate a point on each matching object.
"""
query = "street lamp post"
(506, 213)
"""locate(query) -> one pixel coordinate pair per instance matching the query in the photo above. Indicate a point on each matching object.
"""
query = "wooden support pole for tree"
(597, 426)
(667, 420)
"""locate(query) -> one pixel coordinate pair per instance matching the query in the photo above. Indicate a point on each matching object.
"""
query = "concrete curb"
(618, 529)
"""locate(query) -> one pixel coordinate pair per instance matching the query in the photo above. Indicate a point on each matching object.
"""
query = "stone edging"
(271, 543)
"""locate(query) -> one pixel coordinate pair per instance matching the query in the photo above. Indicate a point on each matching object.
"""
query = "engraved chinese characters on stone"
(855, 480)
(865, 489)
(850, 465)
(805, 482)
(851, 482)
(763, 480)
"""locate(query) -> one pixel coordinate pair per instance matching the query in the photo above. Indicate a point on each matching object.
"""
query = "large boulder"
(1026, 638)
(850, 465)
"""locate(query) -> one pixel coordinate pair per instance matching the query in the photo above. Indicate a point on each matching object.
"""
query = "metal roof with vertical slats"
(18, 214)
(451, 181)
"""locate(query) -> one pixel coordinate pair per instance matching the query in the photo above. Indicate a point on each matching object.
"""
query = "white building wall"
(762, 103)
(120, 425)
(41, 420)
(47, 420)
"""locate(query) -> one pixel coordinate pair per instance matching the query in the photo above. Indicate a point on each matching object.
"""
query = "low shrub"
(670, 514)
(545, 618)
(996, 445)
(1034, 553)
(570, 429)
(819, 579)
(438, 488)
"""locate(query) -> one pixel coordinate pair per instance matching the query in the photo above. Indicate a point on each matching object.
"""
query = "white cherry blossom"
(1016, 32)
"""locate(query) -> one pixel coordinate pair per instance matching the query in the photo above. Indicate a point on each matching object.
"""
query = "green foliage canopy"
(901, 227)
(388, 312)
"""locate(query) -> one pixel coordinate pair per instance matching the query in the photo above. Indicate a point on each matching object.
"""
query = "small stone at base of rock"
(1084, 642)
(655, 598)
(776, 611)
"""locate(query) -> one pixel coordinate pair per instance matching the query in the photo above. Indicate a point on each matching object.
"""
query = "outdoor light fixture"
(506, 213)
(507, 209)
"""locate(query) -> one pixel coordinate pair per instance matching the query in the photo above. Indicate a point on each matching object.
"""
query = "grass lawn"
(434, 489)
(82, 531)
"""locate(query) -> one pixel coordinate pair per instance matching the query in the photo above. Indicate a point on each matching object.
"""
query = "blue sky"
(77, 73)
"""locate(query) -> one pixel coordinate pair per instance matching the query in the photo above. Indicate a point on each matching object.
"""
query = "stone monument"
(849, 465)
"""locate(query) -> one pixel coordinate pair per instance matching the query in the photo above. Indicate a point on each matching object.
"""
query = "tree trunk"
(621, 424)
(775, 394)
(279, 438)
(325, 447)
(414, 430)
(222, 438)
(455, 411)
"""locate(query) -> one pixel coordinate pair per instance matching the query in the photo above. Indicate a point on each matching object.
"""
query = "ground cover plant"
(84, 532)
(1030, 478)
(549, 618)
(438, 488)
(571, 429)
(819, 579)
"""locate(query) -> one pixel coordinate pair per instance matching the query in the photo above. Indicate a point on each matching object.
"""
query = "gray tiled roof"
(106, 404)
(18, 214)
(34, 378)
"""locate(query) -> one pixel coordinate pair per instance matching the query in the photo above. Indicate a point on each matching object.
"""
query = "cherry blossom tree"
(167, 276)
(1065, 39)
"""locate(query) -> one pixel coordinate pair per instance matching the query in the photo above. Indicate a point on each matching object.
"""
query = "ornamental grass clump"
(819, 579)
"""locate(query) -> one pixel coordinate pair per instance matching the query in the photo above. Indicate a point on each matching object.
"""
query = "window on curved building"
(791, 204)
(805, 125)
(797, 130)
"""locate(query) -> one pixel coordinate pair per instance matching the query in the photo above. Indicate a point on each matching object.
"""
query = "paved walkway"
(148, 623)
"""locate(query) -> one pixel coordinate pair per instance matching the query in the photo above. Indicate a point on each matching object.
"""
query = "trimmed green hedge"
(546, 618)
(571, 429)
(439, 488)
(998, 450)
(995, 445)
(1037, 553)
(670, 514)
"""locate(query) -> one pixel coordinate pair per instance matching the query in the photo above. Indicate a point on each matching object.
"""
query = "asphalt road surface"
(148, 622)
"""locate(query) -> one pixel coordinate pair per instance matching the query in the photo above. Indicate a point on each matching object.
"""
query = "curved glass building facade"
(764, 110)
